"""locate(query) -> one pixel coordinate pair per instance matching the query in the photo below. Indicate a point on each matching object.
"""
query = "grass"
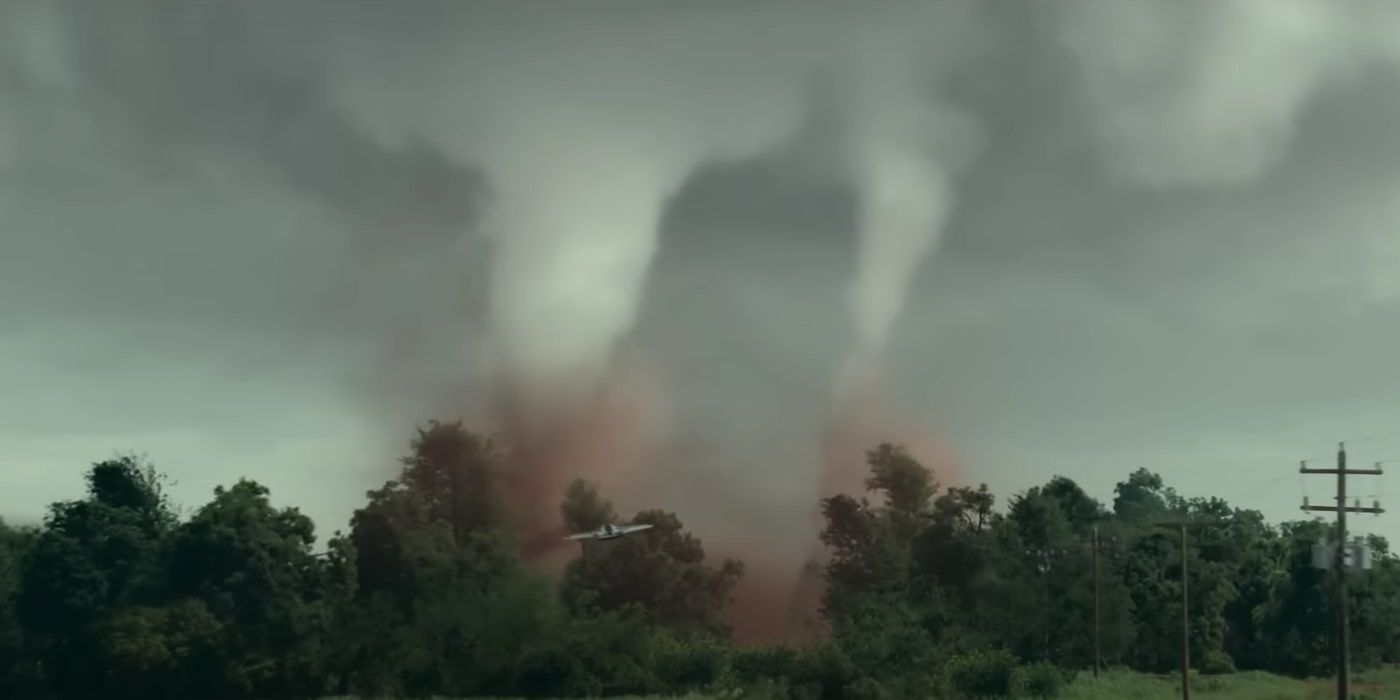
(1253, 685)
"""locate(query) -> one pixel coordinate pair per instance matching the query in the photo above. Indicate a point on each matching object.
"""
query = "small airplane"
(609, 532)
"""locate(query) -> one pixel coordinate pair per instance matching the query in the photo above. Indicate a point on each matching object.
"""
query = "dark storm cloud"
(1170, 236)
(745, 312)
(185, 76)
(198, 242)
(168, 90)
(1090, 310)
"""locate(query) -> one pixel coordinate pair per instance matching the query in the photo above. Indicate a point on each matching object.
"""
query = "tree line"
(929, 592)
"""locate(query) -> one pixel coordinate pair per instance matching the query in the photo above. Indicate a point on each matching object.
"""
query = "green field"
(1240, 686)
(1126, 685)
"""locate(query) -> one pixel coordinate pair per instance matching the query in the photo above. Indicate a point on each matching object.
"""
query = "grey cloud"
(185, 77)
(225, 107)
(1210, 92)
(222, 220)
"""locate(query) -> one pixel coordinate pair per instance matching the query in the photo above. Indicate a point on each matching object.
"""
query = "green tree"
(1142, 498)
(92, 558)
(424, 595)
(584, 509)
(456, 473)
(1294, 622)
(898, 572)
(1081, 511)
(887, 633)
(18, 673)
(952, 550)
(1375, 608)
(434, 574)
(872, 546)
(965, 508)
(905, 483)
(1040, 590)
(661, 571)
(409, 569)
(252, 566)
(862, 553)
(171, 651)
(596, 654)
(1044, 565)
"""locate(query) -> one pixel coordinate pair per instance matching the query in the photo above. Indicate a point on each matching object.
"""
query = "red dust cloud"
(554, 438)
(861, 419)
(765, 607)
(610, 438)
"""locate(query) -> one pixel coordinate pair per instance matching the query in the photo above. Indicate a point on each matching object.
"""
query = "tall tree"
(661, 571)
(429, 558)
(1081, 511)
(456, 472)
(872, 546)
(1044, 563)
(584, 509)
(951, 551)
(1142, 497)
(18, 674)
(252, 567)
(905, 483)
(93, 557)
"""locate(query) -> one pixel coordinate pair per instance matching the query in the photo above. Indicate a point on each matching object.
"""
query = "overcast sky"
(266, 240)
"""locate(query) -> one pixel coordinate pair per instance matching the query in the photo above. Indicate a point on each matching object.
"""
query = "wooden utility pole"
(1185, 607)
(1097, 543)
(1185, 625)
(1339, 559)
(1097, 654)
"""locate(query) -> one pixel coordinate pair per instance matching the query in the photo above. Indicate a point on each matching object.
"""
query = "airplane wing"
(617, 531)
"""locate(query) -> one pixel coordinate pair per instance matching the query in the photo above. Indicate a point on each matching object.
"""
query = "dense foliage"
(930, 592)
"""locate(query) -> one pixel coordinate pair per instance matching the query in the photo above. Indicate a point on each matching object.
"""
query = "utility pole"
(1339, 562)
(1185, 626)
(1185, 609)
(1097, 543)
(1097, 654)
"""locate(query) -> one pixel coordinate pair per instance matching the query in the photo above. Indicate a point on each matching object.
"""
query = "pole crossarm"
(1351, 472)
(1349, 509)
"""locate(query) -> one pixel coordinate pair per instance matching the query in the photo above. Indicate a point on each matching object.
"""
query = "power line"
(1387, 451)
(1372, 436)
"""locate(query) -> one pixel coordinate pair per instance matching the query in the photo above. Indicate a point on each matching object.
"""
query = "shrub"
(916, 686)
(982, 674)
(587, 656)
(1040, 680)
(547, 671)
(761, 690)
(825, 666)
(689, 664)
(806, 691)
(761, 663)
(868, 688)
(1216, 663)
